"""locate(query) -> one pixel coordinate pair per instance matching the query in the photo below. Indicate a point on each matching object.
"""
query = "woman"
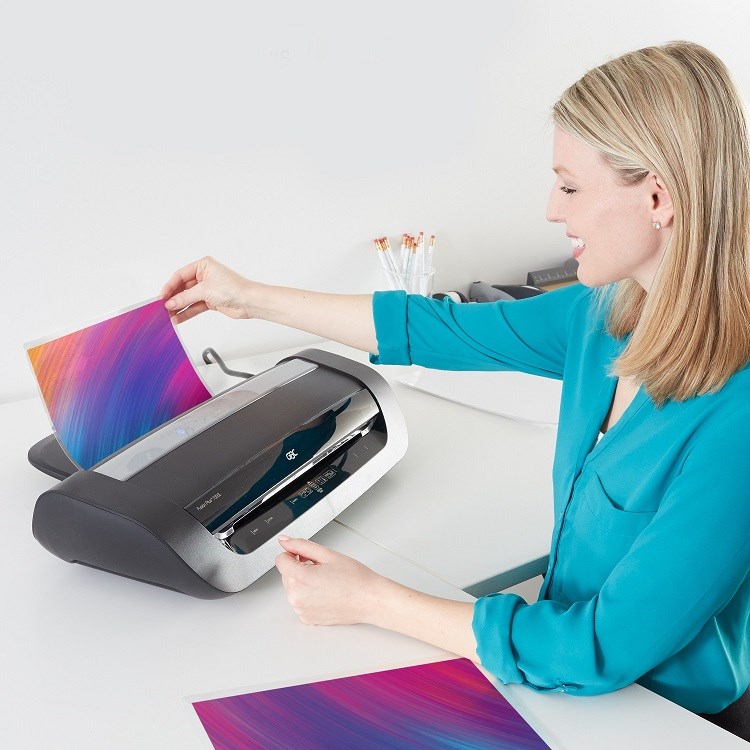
(648, 574)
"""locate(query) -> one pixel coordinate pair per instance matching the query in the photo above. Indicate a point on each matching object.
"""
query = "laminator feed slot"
(271, 518)
(279, 465)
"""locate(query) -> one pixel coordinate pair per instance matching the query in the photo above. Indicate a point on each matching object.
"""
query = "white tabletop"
(92, 660)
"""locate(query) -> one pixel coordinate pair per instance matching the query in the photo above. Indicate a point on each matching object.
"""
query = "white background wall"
(282, 137)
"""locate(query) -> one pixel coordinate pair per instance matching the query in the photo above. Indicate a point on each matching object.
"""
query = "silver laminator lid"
(229, 455)
(138, 455)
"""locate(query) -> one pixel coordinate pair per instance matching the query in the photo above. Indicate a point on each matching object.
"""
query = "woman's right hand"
(204, 285)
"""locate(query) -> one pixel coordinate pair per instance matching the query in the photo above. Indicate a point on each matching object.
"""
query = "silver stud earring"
(656, 225)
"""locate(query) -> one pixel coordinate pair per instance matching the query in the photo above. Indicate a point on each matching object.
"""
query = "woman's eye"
(567, 190)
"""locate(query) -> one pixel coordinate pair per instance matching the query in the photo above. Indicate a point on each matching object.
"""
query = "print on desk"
(110, 383)
(448, 704)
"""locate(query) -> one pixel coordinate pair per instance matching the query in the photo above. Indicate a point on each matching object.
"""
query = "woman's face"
(614, 222)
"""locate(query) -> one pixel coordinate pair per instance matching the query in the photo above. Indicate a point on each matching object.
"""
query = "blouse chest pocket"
(610, 517)
(597, 537)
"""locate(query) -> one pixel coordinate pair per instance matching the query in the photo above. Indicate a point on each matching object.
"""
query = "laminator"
(196, 504)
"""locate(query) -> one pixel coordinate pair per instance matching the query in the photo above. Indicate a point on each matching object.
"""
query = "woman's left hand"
(325, 587)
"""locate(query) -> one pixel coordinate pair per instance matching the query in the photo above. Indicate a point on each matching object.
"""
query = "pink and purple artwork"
(112, 382)
(447, 704)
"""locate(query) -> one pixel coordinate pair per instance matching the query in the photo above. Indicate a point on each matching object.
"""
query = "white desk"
(92, 660)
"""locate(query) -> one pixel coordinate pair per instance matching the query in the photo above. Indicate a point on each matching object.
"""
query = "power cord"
(217, 360)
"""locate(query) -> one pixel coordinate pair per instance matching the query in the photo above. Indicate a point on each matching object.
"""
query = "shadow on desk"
(509, 579)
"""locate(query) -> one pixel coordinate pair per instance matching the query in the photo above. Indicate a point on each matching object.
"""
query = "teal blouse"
(649, 566)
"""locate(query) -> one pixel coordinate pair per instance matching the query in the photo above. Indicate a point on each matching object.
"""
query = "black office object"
(481, 292)
(552, 278)
(196, 504)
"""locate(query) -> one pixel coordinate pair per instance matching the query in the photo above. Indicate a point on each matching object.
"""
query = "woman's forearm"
(206, 284)
(444, 623)
(346, 318)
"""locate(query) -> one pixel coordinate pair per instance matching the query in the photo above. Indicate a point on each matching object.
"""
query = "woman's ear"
(661, 201)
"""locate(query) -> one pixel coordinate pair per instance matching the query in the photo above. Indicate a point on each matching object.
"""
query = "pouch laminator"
(196, 504)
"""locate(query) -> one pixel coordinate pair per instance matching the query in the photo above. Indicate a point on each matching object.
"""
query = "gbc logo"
(292, 454)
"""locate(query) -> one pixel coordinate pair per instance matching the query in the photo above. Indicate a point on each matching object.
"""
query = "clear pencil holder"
(415, 283)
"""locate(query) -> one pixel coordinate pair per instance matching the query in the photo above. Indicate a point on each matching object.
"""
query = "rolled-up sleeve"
(528, 335)
(679, 573)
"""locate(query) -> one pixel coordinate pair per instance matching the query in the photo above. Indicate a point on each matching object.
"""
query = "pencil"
(386, 261)
(420, 254)
(410, 265)
(389, 255)
(430, 249)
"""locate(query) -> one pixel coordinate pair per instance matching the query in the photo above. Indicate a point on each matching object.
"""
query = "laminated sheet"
(112, 381)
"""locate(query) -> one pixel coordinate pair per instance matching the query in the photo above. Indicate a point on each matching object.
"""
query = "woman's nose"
(553, 211)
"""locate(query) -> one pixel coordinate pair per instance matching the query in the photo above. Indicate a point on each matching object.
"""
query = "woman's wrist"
(256, 299)
(346, 318)
(445, 623)
(378, 599)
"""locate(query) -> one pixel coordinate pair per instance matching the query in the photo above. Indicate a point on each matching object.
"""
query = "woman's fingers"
(306, 549)
(286, 564)
(178, 279)
(183, 287)
(173, 312)
(205, 285)
(189, 296)
(190, 312)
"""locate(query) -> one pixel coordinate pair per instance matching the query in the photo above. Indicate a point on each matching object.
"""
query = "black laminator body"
(196, 504)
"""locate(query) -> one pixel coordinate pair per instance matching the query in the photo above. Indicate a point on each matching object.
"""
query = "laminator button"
(249, 536)
(273, 520)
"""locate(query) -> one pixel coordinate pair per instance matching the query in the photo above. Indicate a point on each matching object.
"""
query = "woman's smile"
(578, 245)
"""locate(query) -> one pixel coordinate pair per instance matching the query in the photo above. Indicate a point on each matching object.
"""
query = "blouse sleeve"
(529, 335)
(681, 570)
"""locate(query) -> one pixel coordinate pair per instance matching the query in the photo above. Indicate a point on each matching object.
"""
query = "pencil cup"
(415, 283)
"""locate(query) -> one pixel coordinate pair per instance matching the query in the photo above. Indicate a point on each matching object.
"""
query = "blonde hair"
(675, 110)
